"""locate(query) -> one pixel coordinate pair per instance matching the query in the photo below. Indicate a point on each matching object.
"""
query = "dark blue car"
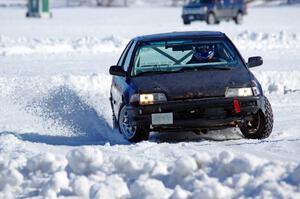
(195, 81)
(213, 11)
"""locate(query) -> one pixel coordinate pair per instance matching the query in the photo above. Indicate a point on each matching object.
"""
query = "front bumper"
(208, 113)
(194, 17)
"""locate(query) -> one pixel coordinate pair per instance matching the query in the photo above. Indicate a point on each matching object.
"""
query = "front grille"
(248, 103)
(208, 113)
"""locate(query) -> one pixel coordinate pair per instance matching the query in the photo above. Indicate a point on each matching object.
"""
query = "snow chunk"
(184, 166)
(211, 188)
(156, 169)
(126, 165)
(47, 163)
(10, 179)
(148, 188)
(113, 187)
(180, 193)
(202, 159)
(86, 160)
(228, 165)
(58, 182)
(238, 180)
(81, 186)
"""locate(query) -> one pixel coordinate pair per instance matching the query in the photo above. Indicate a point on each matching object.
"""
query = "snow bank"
(67, 3)
(13, 3)
(273, 3)
(267, 41)
(281, 40)
(87, 172)
(21, 46)
(280, 82)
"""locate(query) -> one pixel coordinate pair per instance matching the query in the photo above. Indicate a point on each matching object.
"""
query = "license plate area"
(162, 118)
(191, 17)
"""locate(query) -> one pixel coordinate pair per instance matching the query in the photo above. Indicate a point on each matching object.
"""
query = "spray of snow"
(76, 107)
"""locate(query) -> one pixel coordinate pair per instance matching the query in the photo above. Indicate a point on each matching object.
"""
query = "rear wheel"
(129, 132)
(239, 18)
(261, 125)
(211, 19)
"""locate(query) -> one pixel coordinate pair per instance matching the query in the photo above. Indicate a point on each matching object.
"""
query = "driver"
(203, 54)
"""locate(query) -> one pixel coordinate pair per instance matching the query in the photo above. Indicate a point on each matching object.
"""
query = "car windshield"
(181, 55)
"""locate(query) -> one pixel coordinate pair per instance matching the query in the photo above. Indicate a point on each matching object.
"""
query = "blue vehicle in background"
(213, 11)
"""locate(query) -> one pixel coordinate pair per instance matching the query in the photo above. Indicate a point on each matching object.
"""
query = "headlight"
(239, 92)
(146, 99)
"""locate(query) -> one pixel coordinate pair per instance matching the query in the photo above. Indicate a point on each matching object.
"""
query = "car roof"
(179, 35)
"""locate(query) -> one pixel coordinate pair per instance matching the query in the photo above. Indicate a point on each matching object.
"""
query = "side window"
(121, 60)
(128, 57)
(226, 2)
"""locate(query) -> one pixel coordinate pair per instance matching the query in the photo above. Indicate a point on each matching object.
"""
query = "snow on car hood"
(189, 85)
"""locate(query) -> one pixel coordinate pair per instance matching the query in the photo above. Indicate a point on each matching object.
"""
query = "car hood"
(191, 84)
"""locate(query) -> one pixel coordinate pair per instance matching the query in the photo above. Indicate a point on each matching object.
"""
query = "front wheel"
(261, 125)
(211, 19)
(129, 132)
(239, 18)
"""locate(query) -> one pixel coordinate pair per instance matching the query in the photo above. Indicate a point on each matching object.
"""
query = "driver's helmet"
(204, 52)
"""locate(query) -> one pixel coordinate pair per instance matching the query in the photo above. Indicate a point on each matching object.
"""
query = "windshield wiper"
(154, 72)
(198, 68)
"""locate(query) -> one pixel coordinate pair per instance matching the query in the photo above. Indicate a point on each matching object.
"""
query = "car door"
(220, 8)
(228, 4)
(223, 8)
(233, 8)
(120, 84)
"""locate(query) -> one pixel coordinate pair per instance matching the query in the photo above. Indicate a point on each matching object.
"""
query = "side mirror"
(117, 70)
(255, 61)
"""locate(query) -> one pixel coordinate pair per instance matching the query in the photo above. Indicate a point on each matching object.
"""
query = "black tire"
(131, 133)
(262, 124)
(238, 19)
(211, 19)
(186, 22)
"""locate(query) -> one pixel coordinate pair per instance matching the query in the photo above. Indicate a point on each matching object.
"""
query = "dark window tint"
(128, 57)
(122, 58)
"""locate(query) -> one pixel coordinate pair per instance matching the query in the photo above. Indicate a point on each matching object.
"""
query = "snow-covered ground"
(55, 118)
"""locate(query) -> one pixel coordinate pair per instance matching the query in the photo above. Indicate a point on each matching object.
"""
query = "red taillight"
(236, 106)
